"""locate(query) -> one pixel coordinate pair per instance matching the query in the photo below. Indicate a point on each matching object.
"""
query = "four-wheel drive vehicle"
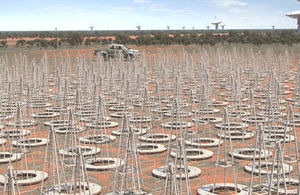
(117, 51)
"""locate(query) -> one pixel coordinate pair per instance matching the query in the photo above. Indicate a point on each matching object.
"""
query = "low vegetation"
(67, 38)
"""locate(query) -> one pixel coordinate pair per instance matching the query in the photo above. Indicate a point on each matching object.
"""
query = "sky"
(23, 15)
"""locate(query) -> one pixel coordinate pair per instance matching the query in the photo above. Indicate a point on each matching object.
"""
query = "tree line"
(70, 39)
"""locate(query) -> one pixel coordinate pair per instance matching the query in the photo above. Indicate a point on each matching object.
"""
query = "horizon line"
(212, 29)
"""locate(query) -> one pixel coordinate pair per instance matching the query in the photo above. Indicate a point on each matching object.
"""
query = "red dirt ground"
(148, 162)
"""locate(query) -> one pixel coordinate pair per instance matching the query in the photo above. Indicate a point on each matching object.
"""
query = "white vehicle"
(117, 51)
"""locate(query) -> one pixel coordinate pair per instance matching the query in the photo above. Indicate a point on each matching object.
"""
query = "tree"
(87, 42)
(20, 43)
(54, 43)
(30, 43)
(75, 39)
(3, 44)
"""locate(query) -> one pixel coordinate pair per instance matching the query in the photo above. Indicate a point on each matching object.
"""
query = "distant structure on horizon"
(223, 27)
(92, 28)
(295, 15)
(139, 28)
(168, 28)
(216, 23)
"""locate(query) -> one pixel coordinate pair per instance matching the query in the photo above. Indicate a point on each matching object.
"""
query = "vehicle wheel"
(104, 57)
(129, 57)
